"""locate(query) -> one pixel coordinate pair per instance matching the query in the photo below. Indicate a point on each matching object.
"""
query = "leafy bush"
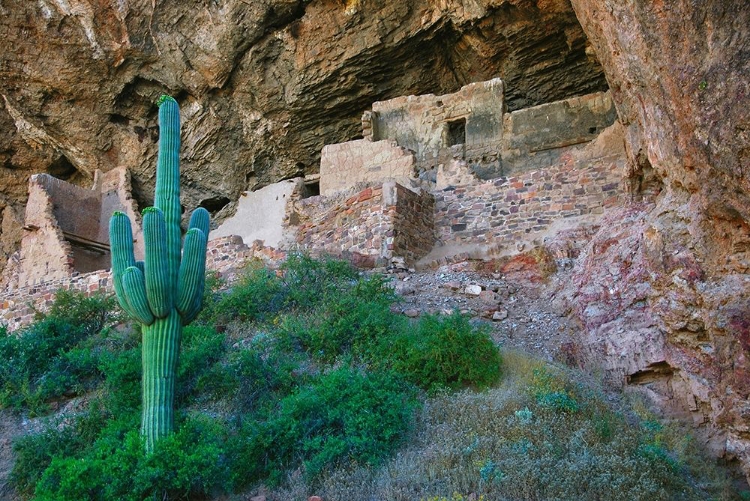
(56, 355)
(90, 314)
(343, 414)
(552, 391)
(256, 295)
(352, 323)
(201, 348)
(446, 352)
(187, 464)
(311, 282)
(34, 453)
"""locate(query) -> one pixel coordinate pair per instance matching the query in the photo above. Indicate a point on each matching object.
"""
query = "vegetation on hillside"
(305, 382)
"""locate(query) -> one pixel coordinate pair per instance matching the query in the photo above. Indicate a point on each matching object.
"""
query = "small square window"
(456, 133)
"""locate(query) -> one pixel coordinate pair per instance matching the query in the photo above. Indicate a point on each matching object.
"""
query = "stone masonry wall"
(353, 226)
(45, 255)
(371, 227)
(510, 209)
(413, 220)
(345, 165)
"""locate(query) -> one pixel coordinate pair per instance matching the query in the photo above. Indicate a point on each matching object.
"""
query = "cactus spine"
(164, 292)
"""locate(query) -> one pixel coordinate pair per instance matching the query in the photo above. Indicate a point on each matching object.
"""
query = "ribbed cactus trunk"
(164, 292)
(161, 345)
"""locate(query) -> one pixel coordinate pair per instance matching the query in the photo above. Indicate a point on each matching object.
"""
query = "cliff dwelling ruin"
(432, 176)
(435, 176)
(66, 228)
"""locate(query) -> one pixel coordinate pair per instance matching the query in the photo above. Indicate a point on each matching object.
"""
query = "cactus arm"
(192, 271)
(158, 287)
(200, 219)
(141, 266)
(121, 244)
(134, 288)
(190, 314)
(168, 181)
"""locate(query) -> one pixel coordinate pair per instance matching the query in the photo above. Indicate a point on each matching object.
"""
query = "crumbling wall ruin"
(510, 212)
(466, 132)
(376, 226)
(66, 228)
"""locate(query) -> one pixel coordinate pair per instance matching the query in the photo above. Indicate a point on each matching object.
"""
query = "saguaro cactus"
(165, 291)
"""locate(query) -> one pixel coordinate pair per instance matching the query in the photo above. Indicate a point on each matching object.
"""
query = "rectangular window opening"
(456, 133)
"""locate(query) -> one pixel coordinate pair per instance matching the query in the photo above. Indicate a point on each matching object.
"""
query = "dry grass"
(540, 435)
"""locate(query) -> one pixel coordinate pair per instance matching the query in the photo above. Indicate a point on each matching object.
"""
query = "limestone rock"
(488, 297)
(473, 290)
(500, 315)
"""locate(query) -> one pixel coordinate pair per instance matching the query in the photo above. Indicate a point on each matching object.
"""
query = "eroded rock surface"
(663, 290)
(263, 85)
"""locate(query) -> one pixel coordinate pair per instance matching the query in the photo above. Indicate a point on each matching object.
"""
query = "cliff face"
(664, 289)
(263, 85)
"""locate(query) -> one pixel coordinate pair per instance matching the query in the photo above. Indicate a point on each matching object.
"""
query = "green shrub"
(262, 378)
(256, 296)
(443, 353)
(354, 315)
(187, 464)
(343, 414)
(55, 356)
(311, 282)
(552, 391)
(122, 381)
(90, 314)
(35, 452)
(350, 326)
(202, 347)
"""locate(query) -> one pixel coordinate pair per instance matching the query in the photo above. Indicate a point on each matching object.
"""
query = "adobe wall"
(345, 165)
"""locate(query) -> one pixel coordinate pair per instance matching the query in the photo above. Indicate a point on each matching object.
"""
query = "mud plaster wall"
(345, 165)
(260, 215)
